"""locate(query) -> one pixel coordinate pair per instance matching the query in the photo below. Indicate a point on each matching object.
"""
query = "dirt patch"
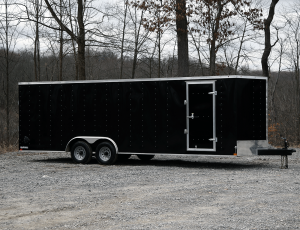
(7, 149)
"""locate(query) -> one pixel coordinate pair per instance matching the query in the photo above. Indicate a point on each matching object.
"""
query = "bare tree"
(61, 42)
(36, 52)
(168, 9)
(8, 38)
(139, 37)
(268, 46)
(123, 36)
(237, 53)
(78, 13)
(293, 37)
(182, 38)
(196, 42)
(217, 24)
(80, 38)
(242, 40)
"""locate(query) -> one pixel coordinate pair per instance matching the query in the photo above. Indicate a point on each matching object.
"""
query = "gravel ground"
(48, 191)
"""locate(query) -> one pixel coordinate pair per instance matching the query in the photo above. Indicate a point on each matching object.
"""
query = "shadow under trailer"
(113, 119)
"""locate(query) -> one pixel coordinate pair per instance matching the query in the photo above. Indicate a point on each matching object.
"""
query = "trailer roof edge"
(143, 79)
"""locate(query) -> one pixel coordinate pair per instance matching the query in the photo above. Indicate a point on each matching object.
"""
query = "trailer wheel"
(145, 157)
(81, 152)
(106, 153)
(123, 157)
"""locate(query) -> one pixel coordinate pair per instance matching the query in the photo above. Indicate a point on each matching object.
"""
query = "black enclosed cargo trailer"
(220, 115)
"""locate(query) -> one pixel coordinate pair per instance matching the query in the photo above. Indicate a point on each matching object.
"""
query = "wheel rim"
(105, 154)
(79, 153)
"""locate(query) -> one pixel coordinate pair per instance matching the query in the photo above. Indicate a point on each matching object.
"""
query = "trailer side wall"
(140, 116)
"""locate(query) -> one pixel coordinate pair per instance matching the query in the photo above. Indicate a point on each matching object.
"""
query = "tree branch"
(63, 27)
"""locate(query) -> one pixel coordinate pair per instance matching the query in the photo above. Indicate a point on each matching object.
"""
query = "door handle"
(192, 117)
(213, 139)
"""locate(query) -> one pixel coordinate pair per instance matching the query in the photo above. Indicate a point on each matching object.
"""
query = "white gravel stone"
(48, 191)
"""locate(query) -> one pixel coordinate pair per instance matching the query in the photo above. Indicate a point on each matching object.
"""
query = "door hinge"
(185, 131)
(214, 93)
(185, 102)
(213, 139)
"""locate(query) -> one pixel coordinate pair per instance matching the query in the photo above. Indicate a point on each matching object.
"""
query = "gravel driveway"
(48, 191)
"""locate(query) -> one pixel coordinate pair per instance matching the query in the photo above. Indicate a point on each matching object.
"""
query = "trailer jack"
(284, 162)
(284, 158)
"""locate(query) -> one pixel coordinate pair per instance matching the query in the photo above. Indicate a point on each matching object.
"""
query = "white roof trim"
(143, 79)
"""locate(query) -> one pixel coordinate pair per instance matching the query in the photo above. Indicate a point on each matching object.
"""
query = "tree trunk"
(134, 62)
(80, 39)
(61, 56)
(297, 76)
(199, 55)
(76, 61)
(73, 44)
(159, 41)
(272, 99)
(7, 72)
(81, 42)
(38, 60)
(150, 67)
(136, 37)
(136, 42)
(182, 38)
(36, 53)
(81, 59)
(123, 37)
(159, 54)
(60, 47)
(212, 58)
(240, 49)
(268, 47)
(152, 59)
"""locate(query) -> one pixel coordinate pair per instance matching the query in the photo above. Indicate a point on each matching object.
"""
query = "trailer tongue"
(284, 153)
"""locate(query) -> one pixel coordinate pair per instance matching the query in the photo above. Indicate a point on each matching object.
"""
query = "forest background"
(60, 40)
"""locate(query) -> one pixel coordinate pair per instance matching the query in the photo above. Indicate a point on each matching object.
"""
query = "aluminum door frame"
(214, 115)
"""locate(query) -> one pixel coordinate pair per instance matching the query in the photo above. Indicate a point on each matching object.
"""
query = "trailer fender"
(90, 140)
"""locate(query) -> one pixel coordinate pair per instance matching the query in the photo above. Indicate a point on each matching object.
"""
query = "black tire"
(145, 157)
(106, 153)
(123, 157)
(81, 152)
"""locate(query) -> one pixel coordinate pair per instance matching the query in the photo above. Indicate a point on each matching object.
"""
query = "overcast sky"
(265, 3)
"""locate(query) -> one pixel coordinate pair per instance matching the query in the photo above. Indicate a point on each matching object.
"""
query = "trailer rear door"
(201, 116)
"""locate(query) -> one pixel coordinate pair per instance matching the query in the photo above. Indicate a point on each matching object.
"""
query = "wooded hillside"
(60, 40)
